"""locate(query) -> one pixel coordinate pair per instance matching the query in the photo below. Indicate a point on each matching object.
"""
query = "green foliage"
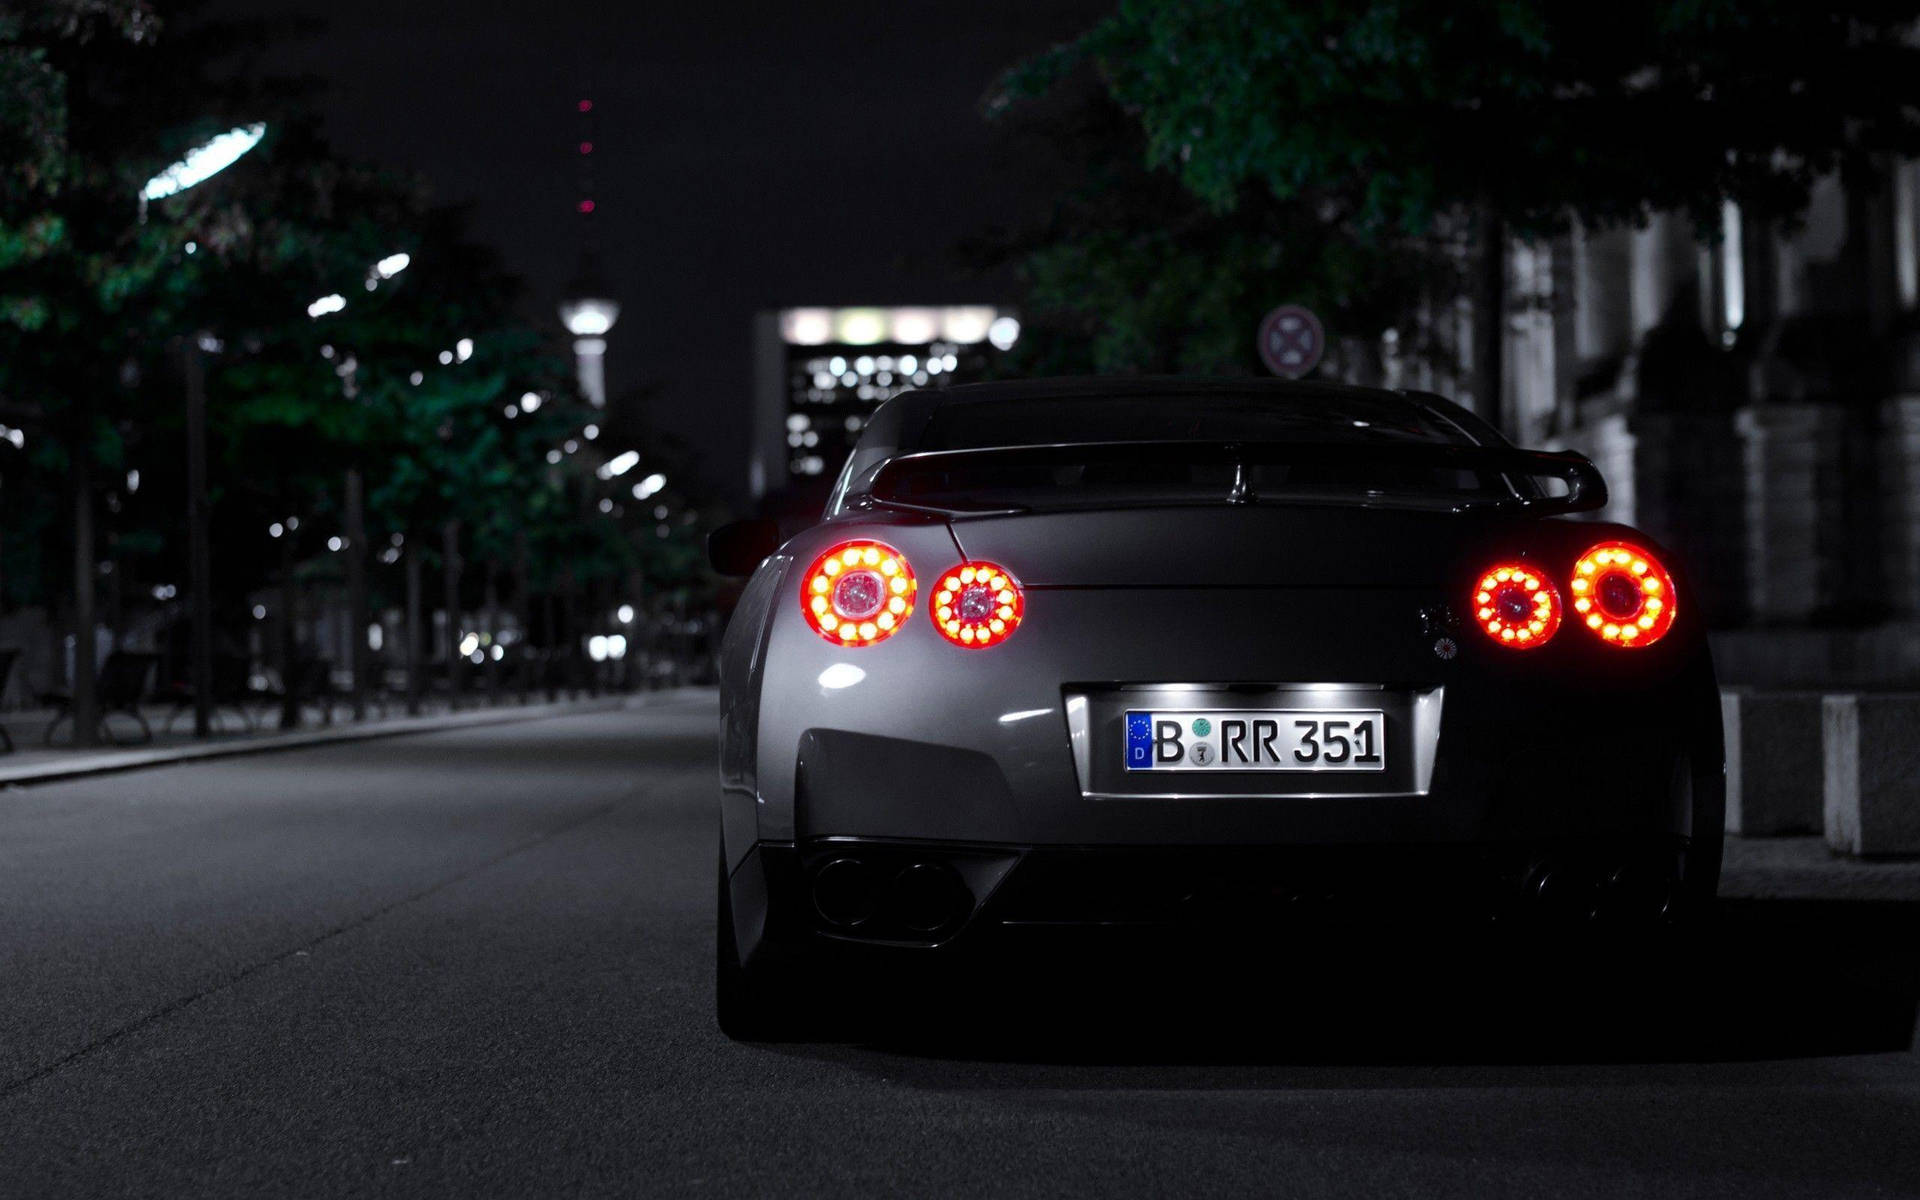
(1397, 113)
(101, 303)
(1135, 274)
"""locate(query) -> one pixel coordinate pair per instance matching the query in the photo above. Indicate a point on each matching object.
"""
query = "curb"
(110, 762)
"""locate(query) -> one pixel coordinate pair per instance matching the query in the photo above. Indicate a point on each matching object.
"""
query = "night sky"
(748, 156)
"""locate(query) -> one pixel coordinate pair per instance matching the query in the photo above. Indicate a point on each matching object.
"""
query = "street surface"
(478, 962)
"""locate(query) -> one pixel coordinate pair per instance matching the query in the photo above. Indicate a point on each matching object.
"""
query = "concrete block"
(1774, 777)
(1872, 767)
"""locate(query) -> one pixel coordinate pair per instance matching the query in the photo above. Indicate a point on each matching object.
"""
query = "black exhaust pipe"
(845, 891)
(929, 897)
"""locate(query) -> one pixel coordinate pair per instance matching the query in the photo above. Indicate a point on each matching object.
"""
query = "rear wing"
(1509, 478)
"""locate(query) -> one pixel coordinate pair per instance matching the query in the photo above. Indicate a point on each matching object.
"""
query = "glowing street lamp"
(202, 163)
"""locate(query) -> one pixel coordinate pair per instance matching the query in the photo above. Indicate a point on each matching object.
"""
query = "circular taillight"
(1516, 606)
(858, 593)
(978, 604)
(1623, 594)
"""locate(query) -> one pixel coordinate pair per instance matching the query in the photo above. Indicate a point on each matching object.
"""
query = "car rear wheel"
(752, 1005)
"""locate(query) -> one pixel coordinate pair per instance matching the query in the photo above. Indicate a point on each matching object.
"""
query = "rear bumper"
(946, 898)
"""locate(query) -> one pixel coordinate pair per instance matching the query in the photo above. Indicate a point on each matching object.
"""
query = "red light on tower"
(586, 147)
(586, 106)
(586, 206)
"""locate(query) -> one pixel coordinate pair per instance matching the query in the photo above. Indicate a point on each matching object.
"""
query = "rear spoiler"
(896, 481)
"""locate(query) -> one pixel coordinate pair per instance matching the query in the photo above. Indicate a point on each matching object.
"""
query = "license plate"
(1257, 740)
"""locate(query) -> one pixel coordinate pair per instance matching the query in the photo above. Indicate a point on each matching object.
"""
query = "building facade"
(820, 372)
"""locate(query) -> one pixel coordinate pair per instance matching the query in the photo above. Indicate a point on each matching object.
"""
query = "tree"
(1135, 274)
(1402, 117)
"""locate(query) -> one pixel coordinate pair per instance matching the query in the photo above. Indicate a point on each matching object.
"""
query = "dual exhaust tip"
(1631, 891)
(921, 897)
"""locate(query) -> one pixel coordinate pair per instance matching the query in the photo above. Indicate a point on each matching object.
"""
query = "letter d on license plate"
(1256, 740)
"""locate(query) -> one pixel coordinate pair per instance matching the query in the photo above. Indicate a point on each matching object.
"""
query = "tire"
(750, 1005)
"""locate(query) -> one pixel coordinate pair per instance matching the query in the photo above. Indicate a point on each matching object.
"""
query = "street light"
(201, 163)
(619, 464)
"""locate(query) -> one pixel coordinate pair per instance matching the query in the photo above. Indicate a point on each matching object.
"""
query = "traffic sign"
(1291, 341)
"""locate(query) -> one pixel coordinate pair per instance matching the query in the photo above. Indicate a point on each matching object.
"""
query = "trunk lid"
(1224, 545)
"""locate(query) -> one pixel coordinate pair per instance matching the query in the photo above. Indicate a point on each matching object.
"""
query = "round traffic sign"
(1291, 341)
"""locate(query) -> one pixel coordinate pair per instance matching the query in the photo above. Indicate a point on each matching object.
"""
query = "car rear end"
(1214, 715)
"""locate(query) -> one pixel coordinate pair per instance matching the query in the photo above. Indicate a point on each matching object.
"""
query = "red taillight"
(858, 593)
(1623, 594)
(978, 604)
(1516, 606)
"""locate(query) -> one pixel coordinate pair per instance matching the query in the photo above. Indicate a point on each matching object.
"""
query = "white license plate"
(1256, 740)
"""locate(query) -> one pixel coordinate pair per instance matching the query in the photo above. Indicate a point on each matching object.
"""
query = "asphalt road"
(478, 963)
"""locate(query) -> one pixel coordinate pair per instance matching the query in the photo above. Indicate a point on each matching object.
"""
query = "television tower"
(589, 311)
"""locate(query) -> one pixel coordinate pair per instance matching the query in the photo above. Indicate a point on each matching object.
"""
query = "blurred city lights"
(204, 162)
(625, 614)
(133, 480)
(392, 265)
(330, 303)
(276, 529)
(1003, 333)
(512, 412)
(446, 357)
(417, 378)
(648, 486)
(259, 612)
(376, 637)
(463, 349)
(597, 648)
(807, 326)
(553, 456)
(469, 644)
(966, 324)
(530, 402)
(191, 247)
(336, 544)
(606, 505)
(619, 464)
(590, 432)
(862, 326)
(616, 645)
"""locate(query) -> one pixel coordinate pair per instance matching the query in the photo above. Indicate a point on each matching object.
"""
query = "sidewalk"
(33, 763)
(1803, 868)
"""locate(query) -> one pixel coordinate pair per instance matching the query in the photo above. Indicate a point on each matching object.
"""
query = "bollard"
(1872, 767)
(1773, 744)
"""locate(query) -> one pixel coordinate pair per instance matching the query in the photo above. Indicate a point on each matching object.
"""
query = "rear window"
(918, 422)
(1213, 417)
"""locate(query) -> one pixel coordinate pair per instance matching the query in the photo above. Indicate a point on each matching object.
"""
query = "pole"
(292, 675)
(86, 707)
(450, 561)
(199, 563)
(357, 649)
(416, 658)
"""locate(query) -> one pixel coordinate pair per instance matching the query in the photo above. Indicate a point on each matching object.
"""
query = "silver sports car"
(1197, 655)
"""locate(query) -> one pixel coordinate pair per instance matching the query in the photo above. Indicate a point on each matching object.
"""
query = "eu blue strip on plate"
(1139, 739)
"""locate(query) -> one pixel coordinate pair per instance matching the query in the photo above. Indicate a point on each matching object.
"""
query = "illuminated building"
(820, 372)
